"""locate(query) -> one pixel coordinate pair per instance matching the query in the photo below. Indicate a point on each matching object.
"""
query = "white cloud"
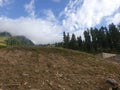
(4, 2)
(80, 14)
(50, 15)
(37, 29)
(115, 19)
(30, 8)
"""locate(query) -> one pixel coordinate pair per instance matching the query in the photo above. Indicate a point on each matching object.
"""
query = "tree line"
(95, 40)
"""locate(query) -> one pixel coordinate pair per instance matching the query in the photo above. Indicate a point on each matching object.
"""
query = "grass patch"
(2, 41)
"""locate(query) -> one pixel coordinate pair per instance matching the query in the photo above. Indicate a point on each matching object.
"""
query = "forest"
(104, 39)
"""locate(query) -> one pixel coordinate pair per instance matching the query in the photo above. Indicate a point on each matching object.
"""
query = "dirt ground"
(53, 69)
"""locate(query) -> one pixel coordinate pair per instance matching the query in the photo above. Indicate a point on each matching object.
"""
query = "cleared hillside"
(45, 68)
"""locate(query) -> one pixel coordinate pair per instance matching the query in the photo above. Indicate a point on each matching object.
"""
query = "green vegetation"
(3, 41)
(19, 41)
(6, 39)
(95, 40)
(12, 41)
(5, 34)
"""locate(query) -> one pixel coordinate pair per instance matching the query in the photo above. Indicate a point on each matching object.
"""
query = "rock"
(25, 74)
(86, 82)
(79, 82)
(59, 75)
(111, 81)
(59, 86)
(25, 83)
(50, 83)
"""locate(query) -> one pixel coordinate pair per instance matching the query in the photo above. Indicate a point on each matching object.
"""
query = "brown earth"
(44, 68)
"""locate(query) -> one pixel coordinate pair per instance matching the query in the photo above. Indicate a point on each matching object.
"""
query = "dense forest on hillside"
(95, 40)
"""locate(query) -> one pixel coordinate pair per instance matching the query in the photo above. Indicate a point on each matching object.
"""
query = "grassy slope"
(39, 68)
(2, 41)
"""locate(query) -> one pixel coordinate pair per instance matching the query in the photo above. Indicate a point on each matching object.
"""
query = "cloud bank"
(77, 15)
(115, 19)
(80, 14)
(38, 30)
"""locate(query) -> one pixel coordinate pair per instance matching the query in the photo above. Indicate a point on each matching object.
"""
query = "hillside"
(6, 39)
(5, 34)
(45, 68)
(2, 40)
(3, 37)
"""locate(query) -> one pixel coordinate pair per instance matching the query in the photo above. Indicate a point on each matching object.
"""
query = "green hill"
(2, 40)
(24, 41)
(6, 39)
(45, 68)
(5, 34)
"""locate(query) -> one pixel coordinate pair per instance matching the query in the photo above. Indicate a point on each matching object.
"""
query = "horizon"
(45, 21)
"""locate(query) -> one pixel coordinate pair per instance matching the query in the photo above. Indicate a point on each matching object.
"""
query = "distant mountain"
(5, 34)
(7, 39)
(24, 40)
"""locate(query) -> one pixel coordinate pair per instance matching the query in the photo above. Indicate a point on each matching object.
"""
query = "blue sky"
(16, 8)
(43, 21)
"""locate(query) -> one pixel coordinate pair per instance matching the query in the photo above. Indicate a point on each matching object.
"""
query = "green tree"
(12, 41)
(115, 36)
(66, 40)
(73, 42)
(94, 36)
(87, 42)
(80, 43)
(102, 38)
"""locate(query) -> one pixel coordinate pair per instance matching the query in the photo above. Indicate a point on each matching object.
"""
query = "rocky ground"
(44, 68)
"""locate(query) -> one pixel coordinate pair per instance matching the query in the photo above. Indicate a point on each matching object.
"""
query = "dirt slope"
(53, 69)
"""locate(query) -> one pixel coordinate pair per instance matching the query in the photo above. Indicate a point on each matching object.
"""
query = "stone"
(111, 81)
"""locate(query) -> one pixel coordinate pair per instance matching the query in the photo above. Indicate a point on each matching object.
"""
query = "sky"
(44, 21)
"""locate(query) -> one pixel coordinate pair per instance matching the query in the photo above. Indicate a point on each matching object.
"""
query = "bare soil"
(44, 68)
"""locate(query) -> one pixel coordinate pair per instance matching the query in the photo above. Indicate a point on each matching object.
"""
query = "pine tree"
(102, 39)
(73, 42)
(87, 41)
(80, 43)
(94, 35)
(115, 36)
(66, 40)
